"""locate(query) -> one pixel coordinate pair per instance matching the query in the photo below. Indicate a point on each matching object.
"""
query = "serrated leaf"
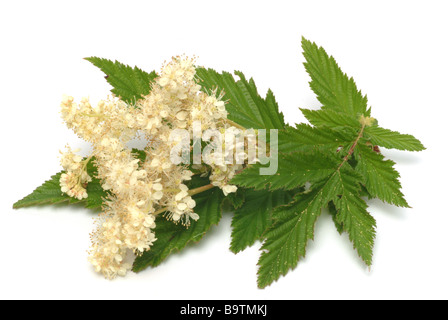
(237, 198)
(294, 170)
(306, 138)
(172, 237)
(334, 89)
(245, 105)
(393, 140)
(253, 217)
(330, 118)
(381, 179)
(96, 195)
(128, 83)
(333, 213)
(50, 193)
(293, 226)
(343, 106)
(352, 213)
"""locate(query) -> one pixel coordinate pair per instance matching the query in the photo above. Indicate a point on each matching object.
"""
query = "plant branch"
(353, 147)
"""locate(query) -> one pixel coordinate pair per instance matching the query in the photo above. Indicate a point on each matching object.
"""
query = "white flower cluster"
(75, 179)
(140, 190)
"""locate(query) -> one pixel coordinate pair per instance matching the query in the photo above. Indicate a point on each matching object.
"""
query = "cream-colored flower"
(140, 190)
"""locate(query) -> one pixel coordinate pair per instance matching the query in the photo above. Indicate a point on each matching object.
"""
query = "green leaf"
(352, 213)
(293, 226)
(172, 237)
(237, 198)
(253, 217)
(330, 118)
(294, 170)
(47, 193)
(334, 212)
(306, 138)
(245, 106)
(96, 193)
(381, 179)
(50, 193)
(334, 89)
(356, 170)
(393, 140)
(128, 83)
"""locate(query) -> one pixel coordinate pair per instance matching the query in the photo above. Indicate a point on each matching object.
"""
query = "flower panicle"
(140, 190)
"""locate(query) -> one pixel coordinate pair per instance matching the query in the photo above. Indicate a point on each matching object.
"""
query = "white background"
(397, 51)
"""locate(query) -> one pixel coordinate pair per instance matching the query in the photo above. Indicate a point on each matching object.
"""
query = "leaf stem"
(353, 147)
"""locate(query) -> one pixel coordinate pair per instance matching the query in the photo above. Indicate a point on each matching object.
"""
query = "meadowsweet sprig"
(153, 204)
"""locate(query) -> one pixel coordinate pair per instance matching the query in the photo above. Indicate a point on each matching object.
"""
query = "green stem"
(192, 192)
(353, 147)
